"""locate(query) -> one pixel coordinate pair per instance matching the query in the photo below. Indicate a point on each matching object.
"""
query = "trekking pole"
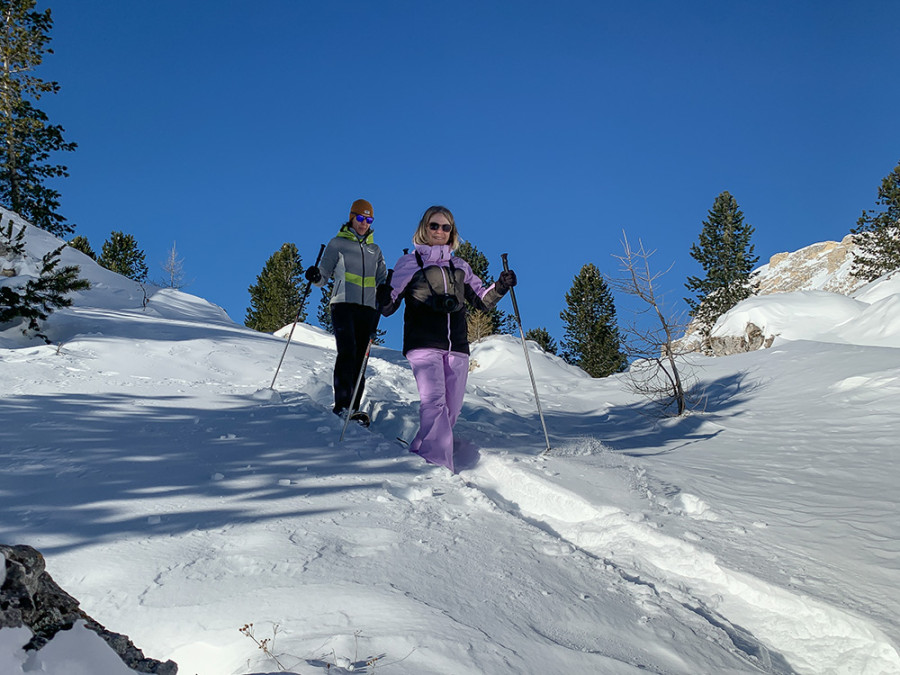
(362, 371)
(294, 325)
(512, 293)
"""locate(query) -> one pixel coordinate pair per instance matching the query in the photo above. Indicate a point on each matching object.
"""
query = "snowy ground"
(178, 498)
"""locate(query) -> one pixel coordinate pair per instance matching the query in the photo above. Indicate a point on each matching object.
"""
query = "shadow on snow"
(72, 463)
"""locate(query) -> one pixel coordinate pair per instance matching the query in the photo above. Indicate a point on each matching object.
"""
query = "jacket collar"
(433, 254)
(347, 232)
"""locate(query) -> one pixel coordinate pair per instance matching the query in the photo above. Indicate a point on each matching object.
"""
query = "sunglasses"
(446, 227)
(368, 219)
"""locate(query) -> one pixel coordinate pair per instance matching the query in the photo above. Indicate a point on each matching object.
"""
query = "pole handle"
(319, 257)
(512, 291)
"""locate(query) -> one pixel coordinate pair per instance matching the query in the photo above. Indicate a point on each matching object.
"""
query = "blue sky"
(548, 128)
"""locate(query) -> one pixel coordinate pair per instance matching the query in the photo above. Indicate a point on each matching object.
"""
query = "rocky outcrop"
(820, 267)
(29, 597)
(752, 339)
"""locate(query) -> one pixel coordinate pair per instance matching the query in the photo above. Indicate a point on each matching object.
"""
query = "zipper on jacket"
(362, 254)
(445, 277)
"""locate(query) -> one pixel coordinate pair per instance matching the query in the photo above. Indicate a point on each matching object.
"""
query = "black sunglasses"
(368, 219)
(446, 227)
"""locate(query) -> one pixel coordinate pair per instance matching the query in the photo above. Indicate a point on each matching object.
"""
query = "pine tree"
(726, 255)
(120, 253)
(591, 340)
(35, 299)
(26, 138)
(480, 323)
(877, 234)
(82, 244)
(477, 261)
(276, 299)
(543, 338)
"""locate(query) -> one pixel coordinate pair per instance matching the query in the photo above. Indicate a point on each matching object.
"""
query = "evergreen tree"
(477, 261)
(82, 244)
(480, 323)
(276, 299)
(591, 340)
(542, 337)
(26, 137)
(726, 255)
(35, 299)
(120, 253)
(877, 234)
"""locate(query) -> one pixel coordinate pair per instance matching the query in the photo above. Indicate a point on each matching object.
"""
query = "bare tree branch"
(655, 372)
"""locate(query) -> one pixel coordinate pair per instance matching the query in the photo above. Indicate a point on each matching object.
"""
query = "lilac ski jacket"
(418, 280)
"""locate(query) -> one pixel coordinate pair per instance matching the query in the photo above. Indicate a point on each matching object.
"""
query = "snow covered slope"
(180, 499)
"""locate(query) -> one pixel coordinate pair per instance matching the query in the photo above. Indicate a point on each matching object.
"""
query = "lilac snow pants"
(441, 380)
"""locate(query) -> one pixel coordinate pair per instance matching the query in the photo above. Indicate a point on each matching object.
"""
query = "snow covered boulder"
(870, 317)
(30, 598)
(751, 339)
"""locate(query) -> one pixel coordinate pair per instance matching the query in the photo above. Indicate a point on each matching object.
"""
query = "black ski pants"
(353, 325)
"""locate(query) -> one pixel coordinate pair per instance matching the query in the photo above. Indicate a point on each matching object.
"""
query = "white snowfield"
(179, 499)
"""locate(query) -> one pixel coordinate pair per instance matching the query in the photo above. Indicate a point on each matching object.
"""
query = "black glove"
(313, 274)
(383, 295)
(506, 280)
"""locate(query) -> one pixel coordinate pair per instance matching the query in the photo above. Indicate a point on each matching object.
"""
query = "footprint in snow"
(554, 548)
(412, 493)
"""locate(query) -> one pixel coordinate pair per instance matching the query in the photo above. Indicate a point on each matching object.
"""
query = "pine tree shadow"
(86, 468)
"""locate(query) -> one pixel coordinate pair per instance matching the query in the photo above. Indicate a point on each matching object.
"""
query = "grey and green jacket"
(357, 266)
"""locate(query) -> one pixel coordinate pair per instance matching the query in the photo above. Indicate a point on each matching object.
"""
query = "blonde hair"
(421, 235)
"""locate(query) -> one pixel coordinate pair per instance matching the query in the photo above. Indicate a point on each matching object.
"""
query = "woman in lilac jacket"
(436, 288)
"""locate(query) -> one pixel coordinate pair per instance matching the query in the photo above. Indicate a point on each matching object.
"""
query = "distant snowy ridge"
(108, 290)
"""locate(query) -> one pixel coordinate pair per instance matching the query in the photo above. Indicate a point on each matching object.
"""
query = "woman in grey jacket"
(356, 264)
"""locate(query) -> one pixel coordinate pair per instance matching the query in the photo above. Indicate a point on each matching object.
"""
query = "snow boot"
(361, 418)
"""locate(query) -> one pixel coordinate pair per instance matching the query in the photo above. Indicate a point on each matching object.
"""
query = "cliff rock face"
(821, 267)
(29, 597)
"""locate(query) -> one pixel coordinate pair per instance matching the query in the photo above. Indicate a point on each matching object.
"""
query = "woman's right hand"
(383, 295)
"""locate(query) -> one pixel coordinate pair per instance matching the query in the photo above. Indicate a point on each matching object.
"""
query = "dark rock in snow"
(29, 597)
